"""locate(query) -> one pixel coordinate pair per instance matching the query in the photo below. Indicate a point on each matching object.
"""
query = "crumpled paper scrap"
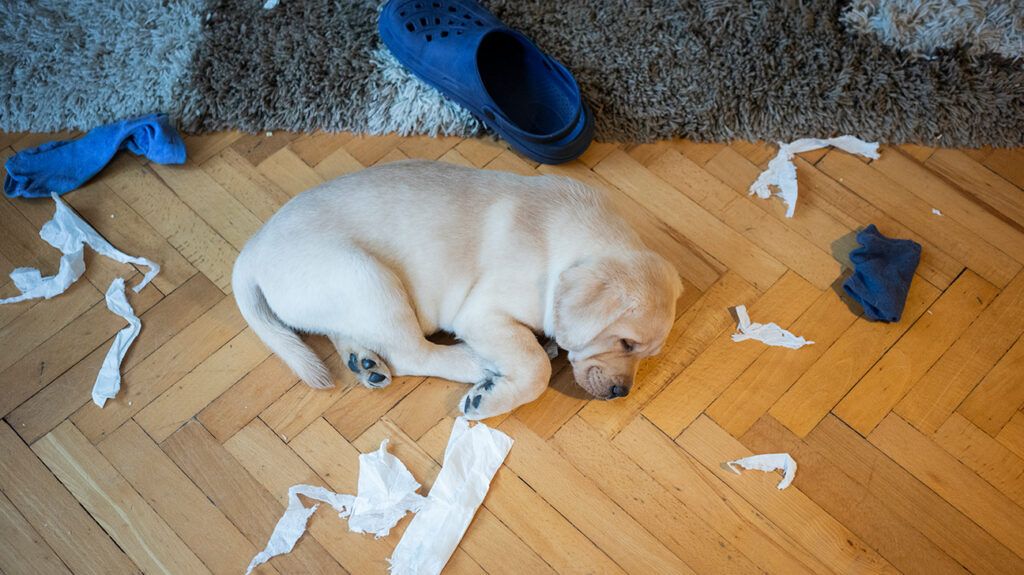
(108, 380)
(781, 172)
(768, 462)
(769, 333)
(70, 234)
(386, 491)
(471, 459)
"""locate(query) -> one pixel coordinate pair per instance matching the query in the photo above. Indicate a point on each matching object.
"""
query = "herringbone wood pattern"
(909, 436)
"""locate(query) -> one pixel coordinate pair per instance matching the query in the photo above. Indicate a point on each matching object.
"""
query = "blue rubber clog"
(524, 95)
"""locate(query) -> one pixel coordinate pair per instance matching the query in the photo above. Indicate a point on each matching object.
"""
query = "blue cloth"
(882, 271)
(65, 165)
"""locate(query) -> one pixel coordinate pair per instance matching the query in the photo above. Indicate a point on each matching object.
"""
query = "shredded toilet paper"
(386, 491)
(108, 380)
(292, 524)
(781, 172)
(471, 459)
(769, 333)
(768, 462)
(70, 234)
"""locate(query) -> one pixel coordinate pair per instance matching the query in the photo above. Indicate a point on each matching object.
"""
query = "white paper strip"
(386, 491)
(70, 234)
(108, 380)
(768, 462)
(471, 459)
(770, 333)
(781, 172)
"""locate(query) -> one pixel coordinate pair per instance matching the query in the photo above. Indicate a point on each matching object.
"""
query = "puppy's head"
(612, 312)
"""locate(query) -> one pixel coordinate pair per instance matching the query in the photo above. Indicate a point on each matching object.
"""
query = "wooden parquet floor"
(909, 436)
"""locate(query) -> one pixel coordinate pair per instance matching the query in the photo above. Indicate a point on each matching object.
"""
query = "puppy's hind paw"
(370, 369)
(487, 399)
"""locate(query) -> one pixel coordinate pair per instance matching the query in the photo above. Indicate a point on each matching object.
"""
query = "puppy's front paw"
(492, 396)
(370, 369)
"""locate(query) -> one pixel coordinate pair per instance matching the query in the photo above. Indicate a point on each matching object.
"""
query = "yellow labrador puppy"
(378, 259)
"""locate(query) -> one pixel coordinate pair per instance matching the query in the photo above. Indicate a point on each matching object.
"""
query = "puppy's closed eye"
(627, 345)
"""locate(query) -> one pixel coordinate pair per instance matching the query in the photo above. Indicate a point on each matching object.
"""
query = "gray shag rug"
(705, 70)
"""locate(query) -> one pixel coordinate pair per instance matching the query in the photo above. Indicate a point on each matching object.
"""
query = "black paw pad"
(352, 363)
(369, 363)
(476, 401)
(374, 376)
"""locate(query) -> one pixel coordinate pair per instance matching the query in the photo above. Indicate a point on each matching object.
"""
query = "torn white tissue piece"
(108, 380)
(471, 459)
(386, 491)
(292, 524)
(781, 172)
(769, 333)
(768, 462)
(936, 211)
(70, 234)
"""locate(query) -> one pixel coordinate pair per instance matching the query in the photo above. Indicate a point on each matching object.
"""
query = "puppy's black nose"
(619, 391)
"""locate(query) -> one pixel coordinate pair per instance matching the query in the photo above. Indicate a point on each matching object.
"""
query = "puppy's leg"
(522, 368)
(368, 367)
(454, 362)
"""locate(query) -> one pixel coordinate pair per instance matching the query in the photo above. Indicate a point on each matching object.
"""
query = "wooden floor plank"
(991, 405)
(185, 508)
(123, 227)
(73, 389)
(203, 247)
(84, 334)
(697, 386)
(122, 512)
(869, 516)
(54, 512)
(741, 213)
(174, 360)
(753, 393)
(687, 217)
(246, 183)
(822, 386)
(983, 454)
(673, 523)
(243, 500)
(952, 480)
(888, 380)
(975, 179)
(166, 413)
(936, 395)
(539, 525)
(22, 549)
(577, 498)
(955, 239)
(688, 480)
(952, 202)
(885, 479)
(842, 203)
(790, 509)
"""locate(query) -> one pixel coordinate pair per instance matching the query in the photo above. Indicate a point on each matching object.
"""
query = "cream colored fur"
(378, 259)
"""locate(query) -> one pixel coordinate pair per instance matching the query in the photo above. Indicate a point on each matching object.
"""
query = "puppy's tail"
(280, 338)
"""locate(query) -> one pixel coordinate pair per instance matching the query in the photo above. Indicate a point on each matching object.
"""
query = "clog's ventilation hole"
(422, 24)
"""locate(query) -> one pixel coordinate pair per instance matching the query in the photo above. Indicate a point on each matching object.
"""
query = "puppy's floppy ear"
(587, 300)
